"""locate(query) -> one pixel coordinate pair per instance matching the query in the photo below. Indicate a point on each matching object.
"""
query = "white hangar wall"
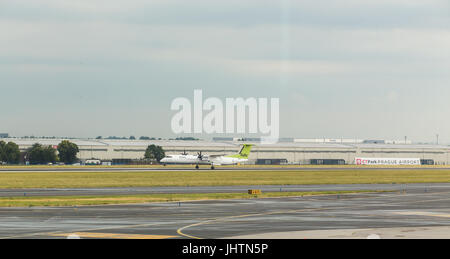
(294, 152)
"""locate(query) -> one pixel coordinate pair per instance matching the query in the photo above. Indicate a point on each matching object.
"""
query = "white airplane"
(212, 160)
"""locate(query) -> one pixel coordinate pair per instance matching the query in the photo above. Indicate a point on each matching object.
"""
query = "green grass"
(217, 178)
(125, 199)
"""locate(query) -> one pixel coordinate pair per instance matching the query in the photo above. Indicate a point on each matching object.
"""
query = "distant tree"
(99, 137)
(186, 138)
(41, 155)
(67, 152)
(2, 151)
(144, 138)
(115, 137)
(12, 153)
(155, 152)
(132, 137)
(35, 154)
(49, 155)
(9, 153)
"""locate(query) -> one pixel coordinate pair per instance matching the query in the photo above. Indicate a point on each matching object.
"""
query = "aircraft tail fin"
(244, 153)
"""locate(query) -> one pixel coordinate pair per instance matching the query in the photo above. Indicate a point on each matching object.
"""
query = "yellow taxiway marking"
(111, 235)
(423, 213)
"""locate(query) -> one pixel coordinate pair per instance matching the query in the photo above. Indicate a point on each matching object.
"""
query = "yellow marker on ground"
(254, 192)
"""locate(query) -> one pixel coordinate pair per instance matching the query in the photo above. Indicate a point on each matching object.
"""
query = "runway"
(202, 168)
(418, 207)
(219, 189)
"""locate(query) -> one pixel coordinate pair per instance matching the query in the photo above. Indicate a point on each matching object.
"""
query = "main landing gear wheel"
(212, 167)
(196, 166)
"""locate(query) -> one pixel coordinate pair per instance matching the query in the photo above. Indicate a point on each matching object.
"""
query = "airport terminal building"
(288, 152)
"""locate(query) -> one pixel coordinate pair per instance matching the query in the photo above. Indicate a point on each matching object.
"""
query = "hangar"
(290, 152)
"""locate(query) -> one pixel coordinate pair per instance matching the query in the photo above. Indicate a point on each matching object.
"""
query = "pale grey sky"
(366, 69)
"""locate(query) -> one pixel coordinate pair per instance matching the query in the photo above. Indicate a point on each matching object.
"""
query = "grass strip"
(217, 178)
(59, 201)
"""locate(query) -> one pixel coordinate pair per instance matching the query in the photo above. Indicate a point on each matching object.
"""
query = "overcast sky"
(352, 69)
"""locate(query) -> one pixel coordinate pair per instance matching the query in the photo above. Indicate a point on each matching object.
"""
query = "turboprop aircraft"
(212, 160)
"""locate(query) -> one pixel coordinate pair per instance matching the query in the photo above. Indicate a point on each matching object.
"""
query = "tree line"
(131, 138)
(65, 152)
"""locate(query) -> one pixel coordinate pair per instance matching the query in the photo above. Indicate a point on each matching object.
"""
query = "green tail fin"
(244, 153)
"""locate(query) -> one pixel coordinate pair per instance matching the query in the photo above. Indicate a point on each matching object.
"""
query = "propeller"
(184, 152)
(200, 156)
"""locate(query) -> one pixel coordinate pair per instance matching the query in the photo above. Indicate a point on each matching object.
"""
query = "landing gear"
(212, 167)
(196, 166)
